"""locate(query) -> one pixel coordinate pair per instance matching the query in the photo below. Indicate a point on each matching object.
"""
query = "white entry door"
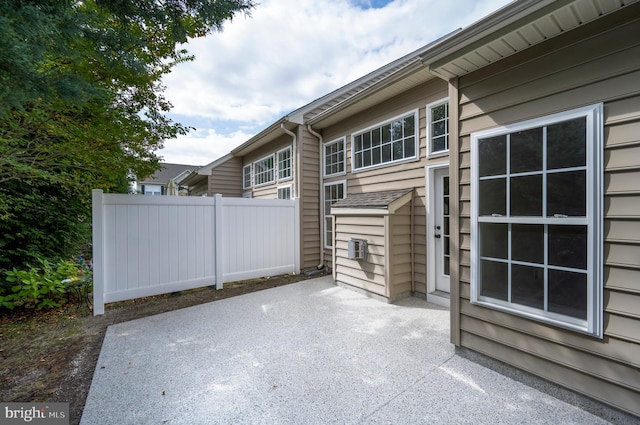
(440, 231)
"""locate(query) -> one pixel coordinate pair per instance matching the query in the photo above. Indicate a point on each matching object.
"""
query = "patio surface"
(305, 353)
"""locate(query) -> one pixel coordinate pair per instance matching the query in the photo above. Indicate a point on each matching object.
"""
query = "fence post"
(97, 225)
(218, 235)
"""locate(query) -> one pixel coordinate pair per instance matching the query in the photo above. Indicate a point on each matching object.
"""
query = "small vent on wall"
(357, 249)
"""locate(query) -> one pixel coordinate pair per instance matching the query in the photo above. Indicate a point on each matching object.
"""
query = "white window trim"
(430, 106)
(342, 139)
(275, 170)
(593, 325)
(277, 165)
(250, 167)
(288, 186)
(416, 130)
(327, 214)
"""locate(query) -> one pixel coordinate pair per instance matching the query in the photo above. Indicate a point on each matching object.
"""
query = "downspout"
(320, 156)
(413, 246)
(294, 162)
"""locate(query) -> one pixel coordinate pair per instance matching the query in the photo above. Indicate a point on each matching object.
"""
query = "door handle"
(437, 236)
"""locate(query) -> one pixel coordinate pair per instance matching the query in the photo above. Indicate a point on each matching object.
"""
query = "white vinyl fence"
(151, 245)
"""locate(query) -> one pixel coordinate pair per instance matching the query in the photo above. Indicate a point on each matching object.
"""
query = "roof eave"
(265, 136)
(490, 26)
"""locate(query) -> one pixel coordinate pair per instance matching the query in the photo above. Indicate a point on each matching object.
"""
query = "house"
(221, 176)
(544, 101)
(495, 171)
(158, 182)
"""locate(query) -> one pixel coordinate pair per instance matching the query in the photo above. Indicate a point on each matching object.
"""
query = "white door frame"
(432, 297)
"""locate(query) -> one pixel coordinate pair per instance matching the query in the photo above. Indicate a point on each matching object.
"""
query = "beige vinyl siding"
(226, 179)
(396, 176)
(366, 274)
(400, 252)
(570, 71)
(309, 160)
(200, 189)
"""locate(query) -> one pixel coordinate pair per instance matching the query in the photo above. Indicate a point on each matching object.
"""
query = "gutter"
(320, 161)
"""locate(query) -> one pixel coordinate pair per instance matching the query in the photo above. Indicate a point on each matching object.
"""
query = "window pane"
(358, 142)
(409, 147)
(397, 150)
(568, 246)
(386, 153)
(366, 158)
(526, 151)
(568, 293)
(328, 234)
(375, 137)
(566, 194)
(527, 243)
(377, 158)
(409, 127)
(439, 144)
(358, 160)
(566, 144)
(366, 140)
(494, 279)
(396, 130)
(493, 156)
(526, 196)
(494, 240)
(492, 197)
(438, 128)
(527, 286)
(386, 133)
(438, 112)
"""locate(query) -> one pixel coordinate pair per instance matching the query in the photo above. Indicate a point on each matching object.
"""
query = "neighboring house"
(496, 171)
(221, 176)
(157, 183)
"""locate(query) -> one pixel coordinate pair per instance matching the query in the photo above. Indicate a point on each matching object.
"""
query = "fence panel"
(260, 238)
(150, 245)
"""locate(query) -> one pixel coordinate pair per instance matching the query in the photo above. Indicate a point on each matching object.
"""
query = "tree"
(81, 106)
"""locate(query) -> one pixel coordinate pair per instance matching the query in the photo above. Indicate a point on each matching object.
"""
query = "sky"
(288, 53)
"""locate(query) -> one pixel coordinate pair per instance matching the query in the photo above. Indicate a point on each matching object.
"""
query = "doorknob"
(437, 236)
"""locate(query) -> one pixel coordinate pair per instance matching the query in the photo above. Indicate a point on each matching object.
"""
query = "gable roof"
(167, 172)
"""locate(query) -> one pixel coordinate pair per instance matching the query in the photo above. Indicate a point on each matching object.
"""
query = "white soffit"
(519, 32)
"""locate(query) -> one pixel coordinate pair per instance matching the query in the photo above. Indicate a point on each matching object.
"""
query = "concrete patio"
(305, 353)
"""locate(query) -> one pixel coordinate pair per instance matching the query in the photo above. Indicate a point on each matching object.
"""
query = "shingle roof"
(371, 200)
(168, 172)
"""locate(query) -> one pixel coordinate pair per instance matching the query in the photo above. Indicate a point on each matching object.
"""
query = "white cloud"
(200, 147)
(290, 52)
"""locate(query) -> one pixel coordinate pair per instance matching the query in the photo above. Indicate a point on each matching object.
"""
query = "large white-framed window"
(536, 229)
(264, 171)
(333, 191)
(246, 177)
(438, 127)
(284, 164)
(392, 141)
(335, 158)
(284, 192)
